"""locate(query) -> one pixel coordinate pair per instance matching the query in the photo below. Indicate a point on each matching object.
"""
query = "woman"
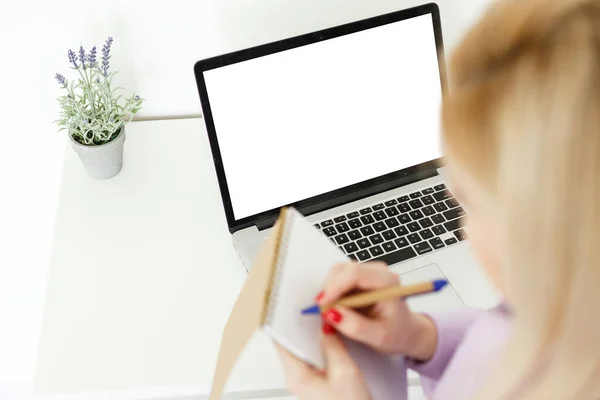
(522, 141)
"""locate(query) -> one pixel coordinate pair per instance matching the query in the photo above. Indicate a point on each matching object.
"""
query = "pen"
(369, 298)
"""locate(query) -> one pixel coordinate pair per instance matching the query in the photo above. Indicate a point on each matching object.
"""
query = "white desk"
(142, 278)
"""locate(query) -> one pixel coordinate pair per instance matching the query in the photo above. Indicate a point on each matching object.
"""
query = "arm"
(440, 335)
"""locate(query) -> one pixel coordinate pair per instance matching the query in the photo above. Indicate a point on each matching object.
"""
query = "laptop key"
(404, 218)
(436, 243)
(367, 230)
(354, 223)
(416, 214)
(454, 213)
(343, 227)
(426, 234)
(317, 226)
(438, 230)
(427, 200)
(413, 227)
(330, 231)
(460, 234)
(428, 191)
(363, 243)
(363, 255)
(390, 203)
(353, 215)
(366, 211)
(380, 215)
(403, 199)
(351, 248)
(327, 223)
(340, 219)
(389, 235)
(378, 207)
(389, 246)
(451, 202)
(440, 207)
(428, 211)
(440, 196)
(392, 222)
(342, 239)
(398, 256)
(439, 187)
(438, 219)
(423, 248)
(403, 207)
(454, 224)
(392, 211)
(416, 204)
(415, 195)
(367, 219)
(414, 238)
(401, 231)
(402, 242)
(354, 235)
(376, 239)
(451, 241)
(379, 226)
(353, 257)
(426, 222)
(376, 251)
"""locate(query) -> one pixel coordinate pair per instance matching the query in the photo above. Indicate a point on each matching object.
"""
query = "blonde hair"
(522, 117)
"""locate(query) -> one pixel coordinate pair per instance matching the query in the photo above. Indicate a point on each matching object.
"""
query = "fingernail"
(328, 329)
(320, 296)
(334, 316)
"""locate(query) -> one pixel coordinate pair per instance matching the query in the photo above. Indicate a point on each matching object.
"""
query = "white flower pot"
(103, 161)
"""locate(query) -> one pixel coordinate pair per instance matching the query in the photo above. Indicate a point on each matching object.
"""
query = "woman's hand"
(389, 326)
(341, 378)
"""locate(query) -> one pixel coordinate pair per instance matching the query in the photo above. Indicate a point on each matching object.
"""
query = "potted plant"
(94, 114)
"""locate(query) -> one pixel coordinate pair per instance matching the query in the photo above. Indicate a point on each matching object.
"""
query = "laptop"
(343, 124)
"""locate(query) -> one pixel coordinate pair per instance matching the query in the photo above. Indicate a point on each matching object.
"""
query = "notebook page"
(307, 258)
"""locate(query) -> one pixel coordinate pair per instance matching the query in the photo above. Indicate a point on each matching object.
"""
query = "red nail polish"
(334, 316)
(328, 329)
(319, 296)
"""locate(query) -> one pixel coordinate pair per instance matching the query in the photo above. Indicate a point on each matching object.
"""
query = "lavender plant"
(91, 110)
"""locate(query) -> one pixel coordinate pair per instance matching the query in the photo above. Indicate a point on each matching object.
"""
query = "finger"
(356, 326)
(353, 276)
(333, 274)
(340, 365)
(303, 380)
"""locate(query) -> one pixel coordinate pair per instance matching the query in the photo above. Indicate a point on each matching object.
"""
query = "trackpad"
(445, 299)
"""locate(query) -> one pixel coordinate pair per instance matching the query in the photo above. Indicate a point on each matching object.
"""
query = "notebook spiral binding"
(278, 271)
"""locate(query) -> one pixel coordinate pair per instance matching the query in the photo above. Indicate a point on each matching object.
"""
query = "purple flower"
(106, 55)
(82, 56)
(61, 79)
(73, 58)
(137, 98)
(92, 57)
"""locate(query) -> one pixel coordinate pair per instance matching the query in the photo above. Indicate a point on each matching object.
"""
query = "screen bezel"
(348, 193)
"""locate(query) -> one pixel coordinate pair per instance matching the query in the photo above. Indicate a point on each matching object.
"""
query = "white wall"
(156, 45)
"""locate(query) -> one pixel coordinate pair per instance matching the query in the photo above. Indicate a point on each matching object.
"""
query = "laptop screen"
(317, 118)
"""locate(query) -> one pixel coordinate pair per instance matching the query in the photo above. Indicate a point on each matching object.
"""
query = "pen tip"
(439, 284)
(311, 310)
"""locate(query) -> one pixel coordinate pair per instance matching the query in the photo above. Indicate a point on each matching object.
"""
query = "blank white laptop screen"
(317, 118)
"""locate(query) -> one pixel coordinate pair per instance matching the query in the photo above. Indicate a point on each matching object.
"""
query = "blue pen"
(369, 298)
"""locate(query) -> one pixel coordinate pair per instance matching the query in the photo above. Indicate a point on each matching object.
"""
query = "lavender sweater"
(468, 342)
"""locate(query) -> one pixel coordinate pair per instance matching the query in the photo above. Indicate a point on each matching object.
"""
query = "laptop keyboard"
(399, 229)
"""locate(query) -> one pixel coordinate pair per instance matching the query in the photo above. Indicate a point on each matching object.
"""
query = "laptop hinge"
(307, 210)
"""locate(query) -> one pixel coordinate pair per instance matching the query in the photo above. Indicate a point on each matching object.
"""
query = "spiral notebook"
(287, 275)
